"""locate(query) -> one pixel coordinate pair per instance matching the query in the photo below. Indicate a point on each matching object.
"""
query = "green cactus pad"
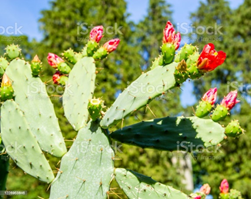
(63, 68)
(12, 51)
(32, 98)
(168, 52)
(92, 47)
(148, 86)
(21, 144)
(138, 186)
(79, 90)
(86, 170)
(6, 92)
(233, 129)
(203, 109)
(172, 133)
(219, 113)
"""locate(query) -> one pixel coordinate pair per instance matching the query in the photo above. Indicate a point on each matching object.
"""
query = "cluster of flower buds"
(225, 193)
(204, 191)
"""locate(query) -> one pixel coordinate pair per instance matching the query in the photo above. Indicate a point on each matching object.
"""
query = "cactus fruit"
(207, 103)
(3, 65)
(77, 95)
(69, 55)
(54, 60)
(21, 144)
(107, 48)
(181, 72)
(185, 52)
(100, 54)
(95, 107)
(6, 90)
(157, 62)
(13, 51)
(168, 52)
(219, 113)
(136, 185)
(36, 66)
(172, 133)
(148, 86)
(92, 47)
(64, 68)
(86, 170)
(32, 98)
(233, 129)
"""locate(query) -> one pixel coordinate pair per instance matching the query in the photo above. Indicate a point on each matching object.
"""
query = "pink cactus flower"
(205, 189)
(96, 33)
(230, 100)
(54, 60)
(111, 45)
(210, 96)
(169, 35)
(224, 186)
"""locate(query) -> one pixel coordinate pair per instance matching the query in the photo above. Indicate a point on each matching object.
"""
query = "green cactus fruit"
(92, 47)
(6, 90)
(186, 51)
(224, 196)
(63, 80)
(63, 68)
(193, 71)
(69, 55)
(100, 54)
(13, 51)
(234, 194)
(138, 186)
(3, 65)
(172, 133)
(220, 113)
(78, 56)
(36, 66)
(203, 109)
(168, 52)
(233, 129)
(181, 72)
(95, 107)
(157, 62)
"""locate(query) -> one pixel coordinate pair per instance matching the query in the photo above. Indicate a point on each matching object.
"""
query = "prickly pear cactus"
(21, 144)
(79, 90)
(32, 98)
(137, 186)
(86, 170)
(172, 133)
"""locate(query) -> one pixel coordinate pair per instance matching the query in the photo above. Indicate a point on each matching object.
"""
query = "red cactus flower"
(197, 197)
(96, 33)
(230, 100)
(54, 60)
(224, 186)
(169, 35)
(56, 77)
(210, 96)
(111, 45)
(205, 189)
(209, 58)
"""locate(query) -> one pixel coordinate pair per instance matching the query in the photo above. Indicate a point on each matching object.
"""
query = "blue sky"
(25, 14)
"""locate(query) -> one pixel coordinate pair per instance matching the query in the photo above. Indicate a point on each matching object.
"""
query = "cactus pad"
(32, 98)
(86, 170)
(138, 186)
(172, 133)
(148, 86)
(21, 144)
(79, 90)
